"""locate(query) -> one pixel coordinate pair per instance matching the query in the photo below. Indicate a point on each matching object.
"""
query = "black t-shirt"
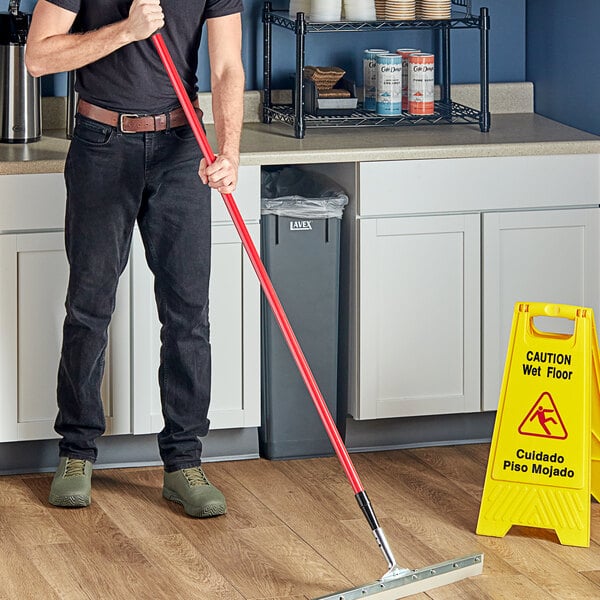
(133, 79)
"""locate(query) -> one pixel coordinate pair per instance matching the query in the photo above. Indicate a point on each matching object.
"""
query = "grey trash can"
(300, 245)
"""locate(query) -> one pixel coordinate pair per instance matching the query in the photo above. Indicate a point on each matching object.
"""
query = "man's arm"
(52, 49)
(227, 86)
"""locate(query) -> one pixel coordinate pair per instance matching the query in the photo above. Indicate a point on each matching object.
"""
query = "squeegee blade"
(414, 582)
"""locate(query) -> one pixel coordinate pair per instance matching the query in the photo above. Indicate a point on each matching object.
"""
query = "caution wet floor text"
(544, 458)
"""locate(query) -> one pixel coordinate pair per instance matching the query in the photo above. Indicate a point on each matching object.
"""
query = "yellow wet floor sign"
(544, 460)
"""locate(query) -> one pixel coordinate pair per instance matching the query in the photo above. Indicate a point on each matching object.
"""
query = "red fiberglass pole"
(261, 272)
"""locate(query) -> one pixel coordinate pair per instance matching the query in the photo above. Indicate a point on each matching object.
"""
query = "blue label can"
(389, 84)
(370, 77)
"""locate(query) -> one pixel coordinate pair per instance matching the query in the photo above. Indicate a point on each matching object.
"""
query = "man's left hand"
(222, 174)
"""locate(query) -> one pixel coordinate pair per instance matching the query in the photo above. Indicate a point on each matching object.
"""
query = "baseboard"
(40, 456)
(118, 451)
(417, 432)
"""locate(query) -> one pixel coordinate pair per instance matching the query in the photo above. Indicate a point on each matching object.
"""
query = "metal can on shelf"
(405, 53)
(421, 83)
(389, 84)
(370, 77)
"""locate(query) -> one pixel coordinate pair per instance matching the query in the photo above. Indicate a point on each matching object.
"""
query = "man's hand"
(145, 18)
(222, 174)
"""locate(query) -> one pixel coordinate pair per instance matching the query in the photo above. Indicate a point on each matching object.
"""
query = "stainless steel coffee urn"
(20, 93)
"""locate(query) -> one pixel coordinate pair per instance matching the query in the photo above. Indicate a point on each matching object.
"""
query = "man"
(134, 158)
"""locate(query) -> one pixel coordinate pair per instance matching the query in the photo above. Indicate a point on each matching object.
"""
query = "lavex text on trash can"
(370, 77)
(420, 84)
(389, 84)
(405, 53)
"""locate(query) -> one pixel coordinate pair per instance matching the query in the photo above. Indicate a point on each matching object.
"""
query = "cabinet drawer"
(247, 197)
(37, 202)
(478, 184)
(32, 202)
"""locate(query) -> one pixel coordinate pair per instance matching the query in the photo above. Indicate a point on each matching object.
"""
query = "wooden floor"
(293, 531)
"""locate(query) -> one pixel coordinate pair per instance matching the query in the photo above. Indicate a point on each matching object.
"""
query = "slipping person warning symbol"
(544, 420)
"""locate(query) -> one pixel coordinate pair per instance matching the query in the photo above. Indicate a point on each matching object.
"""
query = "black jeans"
(114, 179)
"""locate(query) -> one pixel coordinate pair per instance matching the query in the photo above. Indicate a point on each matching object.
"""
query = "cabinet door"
(533, 256)
(419, 316)
(33, 283)
(235, 337)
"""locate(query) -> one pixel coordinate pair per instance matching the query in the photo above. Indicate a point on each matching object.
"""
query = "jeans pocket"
(92, 132)
(183, 133)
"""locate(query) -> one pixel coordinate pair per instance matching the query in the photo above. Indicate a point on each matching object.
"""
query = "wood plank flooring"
(293, 532)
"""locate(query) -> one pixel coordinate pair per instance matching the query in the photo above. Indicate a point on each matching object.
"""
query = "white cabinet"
(534, 256)
(234, 323)
(33, 283)
(419, 315)
(438, 252)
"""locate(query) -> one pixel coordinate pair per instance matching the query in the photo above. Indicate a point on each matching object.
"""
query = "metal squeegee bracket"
(414, 582)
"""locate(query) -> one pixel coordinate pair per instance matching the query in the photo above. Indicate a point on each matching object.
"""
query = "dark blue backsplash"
(553, 43)
(563, 60)
(507, 48)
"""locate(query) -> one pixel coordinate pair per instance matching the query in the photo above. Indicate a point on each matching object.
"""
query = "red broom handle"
(263, 277)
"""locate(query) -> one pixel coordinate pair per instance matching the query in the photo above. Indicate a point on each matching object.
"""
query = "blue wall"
(563, 60)
(507, 48)
(543, 41)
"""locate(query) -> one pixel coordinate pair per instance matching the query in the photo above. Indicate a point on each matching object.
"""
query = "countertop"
(521, 134)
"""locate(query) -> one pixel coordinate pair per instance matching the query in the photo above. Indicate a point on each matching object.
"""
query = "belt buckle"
(122, 116)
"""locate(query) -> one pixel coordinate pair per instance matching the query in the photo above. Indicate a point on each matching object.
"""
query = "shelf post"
(484, 65)
(445, 83)
(267, 66)
(299, 126)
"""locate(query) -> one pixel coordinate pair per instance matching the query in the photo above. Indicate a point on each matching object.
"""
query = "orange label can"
(405, 53)
(420, 83)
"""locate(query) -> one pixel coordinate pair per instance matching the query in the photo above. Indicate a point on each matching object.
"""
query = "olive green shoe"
(72, 483)
(191, 488)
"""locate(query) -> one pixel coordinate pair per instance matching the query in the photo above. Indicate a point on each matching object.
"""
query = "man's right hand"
(145, 18)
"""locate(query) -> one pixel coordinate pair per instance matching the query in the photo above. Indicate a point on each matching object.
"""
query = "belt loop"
(167, 121)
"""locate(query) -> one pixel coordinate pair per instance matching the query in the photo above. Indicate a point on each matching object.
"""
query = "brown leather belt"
(135, 123)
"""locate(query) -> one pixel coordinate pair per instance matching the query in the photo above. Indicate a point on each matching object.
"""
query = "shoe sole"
(70, 501)
(213, 509)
